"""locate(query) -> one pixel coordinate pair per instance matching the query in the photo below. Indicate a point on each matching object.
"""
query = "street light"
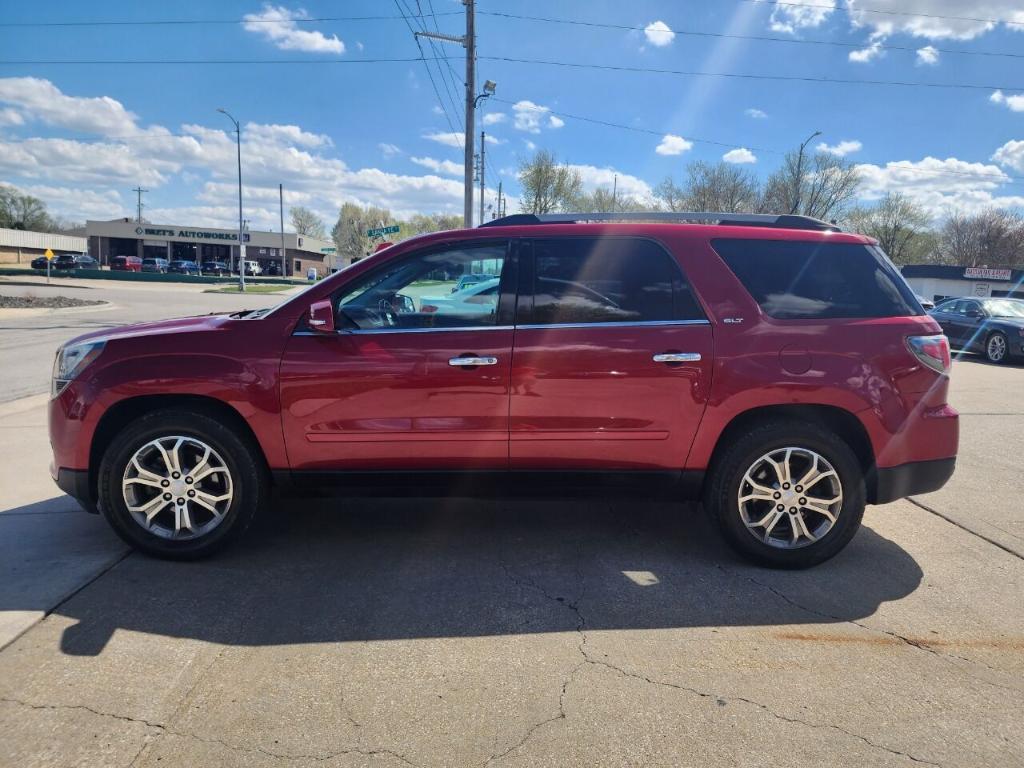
(241, 243)
(800, 171)
(489, 88)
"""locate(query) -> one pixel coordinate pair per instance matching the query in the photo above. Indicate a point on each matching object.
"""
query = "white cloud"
(739, 155)
(940, 186)
(1015, 103)
(10, 116)
(532, 117)
(673, 145)
(659, 34)
(1011, 154)
(841, 149)
(291, 134)
(41, 100)
(389, 150)
(755, 113)
(493, 118)
(277, 24)
(76, 203)
(439, 166)
(864, 55)
(448, 138)
(934, 19)
(626, 185)
(529, 144)
(794, 17)
(927, 56)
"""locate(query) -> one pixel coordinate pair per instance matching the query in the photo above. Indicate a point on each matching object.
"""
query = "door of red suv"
(612, 360)
(416, 376)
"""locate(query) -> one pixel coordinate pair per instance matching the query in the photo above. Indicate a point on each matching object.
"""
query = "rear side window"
(607, 280)
(809, 280)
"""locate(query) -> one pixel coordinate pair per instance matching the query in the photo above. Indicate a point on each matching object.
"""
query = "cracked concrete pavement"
(532, 632)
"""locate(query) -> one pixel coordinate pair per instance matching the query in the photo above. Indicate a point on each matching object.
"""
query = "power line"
(437, 52)
(448, 64)
(1002, 179)
(172, 22)
(752, 76)
(758, 38)
(516, 60)
(886, 12)
(426, 66)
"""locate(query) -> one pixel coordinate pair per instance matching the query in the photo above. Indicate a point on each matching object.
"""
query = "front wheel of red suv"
(180, 485)
(787, 494)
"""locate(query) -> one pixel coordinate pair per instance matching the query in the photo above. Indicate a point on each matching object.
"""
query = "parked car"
(126, 264)
(39, 262)
(467, 280)
(777, 368)
(183, 268)
(476, 300)
(155, 265)
(218, 268)
(66, 261)
(991, 327)
(252, 268)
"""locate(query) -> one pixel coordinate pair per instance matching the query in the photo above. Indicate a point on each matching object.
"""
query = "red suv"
(126, 264)
(773, 366)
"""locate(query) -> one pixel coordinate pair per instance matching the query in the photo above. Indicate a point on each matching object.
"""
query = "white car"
(478, 300)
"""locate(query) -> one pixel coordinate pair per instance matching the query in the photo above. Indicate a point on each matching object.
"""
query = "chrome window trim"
(640, 323)
(622, 324)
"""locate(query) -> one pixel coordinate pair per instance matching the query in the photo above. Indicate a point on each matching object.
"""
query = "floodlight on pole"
(241, 225)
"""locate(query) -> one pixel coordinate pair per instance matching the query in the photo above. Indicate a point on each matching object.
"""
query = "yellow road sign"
(48, 254)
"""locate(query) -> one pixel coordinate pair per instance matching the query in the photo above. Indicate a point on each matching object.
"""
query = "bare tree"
(823, 188)
(305, 222)
(670, 195)
(901, 227)
(714, 187)
(547, 186)
(602, 200)
(991, 238)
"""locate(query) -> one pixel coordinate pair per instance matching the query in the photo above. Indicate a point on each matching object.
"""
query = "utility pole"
(615, 190)
(483, 141)
(241, 225)
(800, 172)
(138, 208)
(284, 251)
(467, 41)
(498, 210)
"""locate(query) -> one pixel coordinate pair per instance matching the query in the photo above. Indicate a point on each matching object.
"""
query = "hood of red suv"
(157, 328)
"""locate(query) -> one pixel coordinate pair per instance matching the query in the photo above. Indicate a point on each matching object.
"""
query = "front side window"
(808, 280)
(456, 287)
(607, 280)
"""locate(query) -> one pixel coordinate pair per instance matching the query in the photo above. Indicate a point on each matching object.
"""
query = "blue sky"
(82, 136)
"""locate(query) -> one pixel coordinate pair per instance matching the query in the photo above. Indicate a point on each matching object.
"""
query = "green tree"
(18, 211)
(349, 232)
(901, 227)
(305, 222)
(546, 185)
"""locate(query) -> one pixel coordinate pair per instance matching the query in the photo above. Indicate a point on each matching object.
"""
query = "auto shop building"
(938, 281)
(127, 237)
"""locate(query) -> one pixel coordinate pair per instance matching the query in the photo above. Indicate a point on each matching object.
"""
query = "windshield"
(1005, 307)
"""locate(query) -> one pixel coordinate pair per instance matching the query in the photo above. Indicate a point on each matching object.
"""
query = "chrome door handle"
(677, 357)
(459, 362)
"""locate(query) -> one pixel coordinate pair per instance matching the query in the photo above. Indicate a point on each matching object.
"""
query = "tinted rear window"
(811, 280)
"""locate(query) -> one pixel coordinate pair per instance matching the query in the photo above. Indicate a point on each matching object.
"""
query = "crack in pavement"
(573, 605)
(918, 644)
(964, 528)
(162, 729)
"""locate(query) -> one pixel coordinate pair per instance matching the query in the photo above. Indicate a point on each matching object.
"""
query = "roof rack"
(784, 221)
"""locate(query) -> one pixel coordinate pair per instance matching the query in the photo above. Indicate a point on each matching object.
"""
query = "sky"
(339, 107)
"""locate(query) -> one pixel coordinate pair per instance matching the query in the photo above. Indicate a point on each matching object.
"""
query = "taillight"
(933, 351)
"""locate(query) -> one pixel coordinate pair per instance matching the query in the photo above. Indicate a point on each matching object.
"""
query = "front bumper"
(75, 483)
(916, 477)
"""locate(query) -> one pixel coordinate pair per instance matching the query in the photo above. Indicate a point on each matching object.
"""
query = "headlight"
(72, 360)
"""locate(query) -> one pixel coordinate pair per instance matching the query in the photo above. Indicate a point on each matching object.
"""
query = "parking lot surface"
(453, 631)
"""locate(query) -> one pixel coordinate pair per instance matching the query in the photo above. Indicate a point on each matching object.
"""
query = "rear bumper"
(891, 483)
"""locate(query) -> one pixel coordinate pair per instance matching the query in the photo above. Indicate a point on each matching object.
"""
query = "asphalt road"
(453, 632)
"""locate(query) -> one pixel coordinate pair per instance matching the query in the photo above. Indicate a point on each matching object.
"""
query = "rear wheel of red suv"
(787, 494)
(180, 485)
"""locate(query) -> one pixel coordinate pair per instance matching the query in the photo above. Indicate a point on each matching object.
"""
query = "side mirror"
(321, 316)
(974, 313)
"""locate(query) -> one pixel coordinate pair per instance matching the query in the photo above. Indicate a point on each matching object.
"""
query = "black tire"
(250, 484)
(990, 354)
(722, 491)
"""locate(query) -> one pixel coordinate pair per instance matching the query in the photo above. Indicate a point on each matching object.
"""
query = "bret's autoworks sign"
(188, 234)
(984, 273)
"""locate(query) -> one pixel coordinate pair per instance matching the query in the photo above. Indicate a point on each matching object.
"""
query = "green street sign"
(382, 231)
(328, 250)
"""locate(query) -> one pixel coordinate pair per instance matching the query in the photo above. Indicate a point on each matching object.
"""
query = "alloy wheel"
(790, 498)
(996, 348)
(177, 487)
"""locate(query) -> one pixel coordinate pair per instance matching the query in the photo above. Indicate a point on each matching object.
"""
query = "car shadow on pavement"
(363, 569)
